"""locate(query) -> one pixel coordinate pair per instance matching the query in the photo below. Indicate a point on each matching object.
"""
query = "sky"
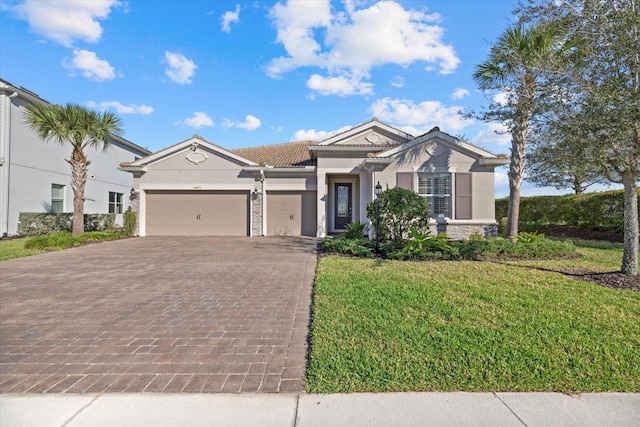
(249, 73)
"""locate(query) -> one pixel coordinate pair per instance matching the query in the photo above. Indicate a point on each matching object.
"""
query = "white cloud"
(340, 85)
(356, 40)
(424, 115)
(90, 65)
(502, 98)
(122, 108)
(492, 134)
(180, 69)
(460, 93)
(66, 21)
(397, 81)
(198, 120)
(230, 17)
(250, 123)
(317, 135)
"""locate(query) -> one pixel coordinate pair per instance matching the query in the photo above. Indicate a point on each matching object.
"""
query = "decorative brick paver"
(158, 314)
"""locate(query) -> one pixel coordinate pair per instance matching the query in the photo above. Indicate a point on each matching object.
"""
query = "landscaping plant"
(399, 210)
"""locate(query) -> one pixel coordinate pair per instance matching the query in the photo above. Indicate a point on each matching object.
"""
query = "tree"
(80, 128)
(561, 161)
(602, 83)
(514, 68)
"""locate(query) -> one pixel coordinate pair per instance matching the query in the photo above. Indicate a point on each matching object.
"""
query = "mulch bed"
(613, 280)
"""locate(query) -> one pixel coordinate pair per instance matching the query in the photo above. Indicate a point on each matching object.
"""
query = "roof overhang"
(346, 149)
(131, 168)
(493, 161)
(260, 170)
(374, 164)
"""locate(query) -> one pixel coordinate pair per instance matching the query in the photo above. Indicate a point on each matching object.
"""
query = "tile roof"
(291, 154)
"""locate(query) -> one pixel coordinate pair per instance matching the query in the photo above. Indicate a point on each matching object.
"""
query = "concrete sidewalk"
(335, 410)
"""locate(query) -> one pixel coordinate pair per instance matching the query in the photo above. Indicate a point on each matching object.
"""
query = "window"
(115, 202)
(57, 198)
(436, 189)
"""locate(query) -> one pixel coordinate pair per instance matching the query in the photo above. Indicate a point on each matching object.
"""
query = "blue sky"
(243, 73)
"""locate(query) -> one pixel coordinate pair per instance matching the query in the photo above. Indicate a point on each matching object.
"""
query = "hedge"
(38, 223)
(597, 211)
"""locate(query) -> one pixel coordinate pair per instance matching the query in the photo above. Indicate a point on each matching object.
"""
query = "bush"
(423, 245)
(530, 246)
(53, 241)
(129, 222)
(39, 223)
(361, 247)
(355, 230)
(400, 209)
(597, 211)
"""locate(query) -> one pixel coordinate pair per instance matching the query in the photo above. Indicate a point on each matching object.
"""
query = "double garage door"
(226, 213)
(197, 213)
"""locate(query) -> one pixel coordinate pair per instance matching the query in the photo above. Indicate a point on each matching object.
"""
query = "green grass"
(14, 248)
(17, 248)
(472, 326)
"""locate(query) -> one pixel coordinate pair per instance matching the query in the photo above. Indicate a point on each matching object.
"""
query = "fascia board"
(154, 158)
(447, 139)
(362, 128)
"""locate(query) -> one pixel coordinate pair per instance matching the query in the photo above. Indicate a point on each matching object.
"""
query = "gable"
(371, 134)
(198, 157)
(432, 155)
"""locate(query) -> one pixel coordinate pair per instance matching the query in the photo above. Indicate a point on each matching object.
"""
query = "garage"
(291, 213)
(201, 213)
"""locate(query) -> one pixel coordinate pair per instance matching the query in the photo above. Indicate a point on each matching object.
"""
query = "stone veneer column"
(135, 208)
(256, 211)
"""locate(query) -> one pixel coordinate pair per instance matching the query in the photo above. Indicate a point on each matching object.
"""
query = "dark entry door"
(342, 205)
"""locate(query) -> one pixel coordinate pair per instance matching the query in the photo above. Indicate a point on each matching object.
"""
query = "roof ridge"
(308, 142)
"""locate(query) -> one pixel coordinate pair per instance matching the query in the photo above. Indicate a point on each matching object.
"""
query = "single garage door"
(199, 213)
(291, 213)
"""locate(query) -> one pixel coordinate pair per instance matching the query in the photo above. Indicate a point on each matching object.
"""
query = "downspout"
(5, 161)
(264, 203)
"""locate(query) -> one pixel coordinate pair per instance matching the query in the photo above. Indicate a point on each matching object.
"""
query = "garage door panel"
(197, 213)
(291, 213)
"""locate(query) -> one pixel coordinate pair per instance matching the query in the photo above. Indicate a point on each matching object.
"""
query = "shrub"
(129, 222)
(40, 223)
(355, 230)
(53, 241)
(423, 245)
(533, 237)
(598, 211)
(99, 222)
(530, 245)
(361, 247)
(400, 209)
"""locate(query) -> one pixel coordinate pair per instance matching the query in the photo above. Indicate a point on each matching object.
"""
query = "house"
(312, 189)
(35, 176)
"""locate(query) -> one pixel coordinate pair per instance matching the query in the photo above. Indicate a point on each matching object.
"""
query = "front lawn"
(14, 248)
(472, 326)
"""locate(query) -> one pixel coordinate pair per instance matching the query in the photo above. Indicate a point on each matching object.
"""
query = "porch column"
(321, 216)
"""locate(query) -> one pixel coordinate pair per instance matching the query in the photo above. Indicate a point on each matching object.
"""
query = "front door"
(342, 205)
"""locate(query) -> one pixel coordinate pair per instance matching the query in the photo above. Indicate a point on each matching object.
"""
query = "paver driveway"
(158, 314)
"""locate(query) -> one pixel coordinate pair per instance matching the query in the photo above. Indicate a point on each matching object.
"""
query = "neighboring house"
(35, 176)
(312, 189)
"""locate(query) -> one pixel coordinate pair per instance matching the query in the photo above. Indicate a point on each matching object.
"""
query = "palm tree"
(515, 66)
(81, 128)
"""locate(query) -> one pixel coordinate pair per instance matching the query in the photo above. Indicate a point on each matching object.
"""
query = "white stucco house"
(313, 189)
(35, 177)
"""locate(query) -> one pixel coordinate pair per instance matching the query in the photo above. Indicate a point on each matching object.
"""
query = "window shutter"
(404, 180)
(463, 196)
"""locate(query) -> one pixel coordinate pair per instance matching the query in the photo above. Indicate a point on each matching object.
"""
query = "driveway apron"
(158, 314)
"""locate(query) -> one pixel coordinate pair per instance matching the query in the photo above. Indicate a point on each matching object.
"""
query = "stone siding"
(256, 213)
(463, 231)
